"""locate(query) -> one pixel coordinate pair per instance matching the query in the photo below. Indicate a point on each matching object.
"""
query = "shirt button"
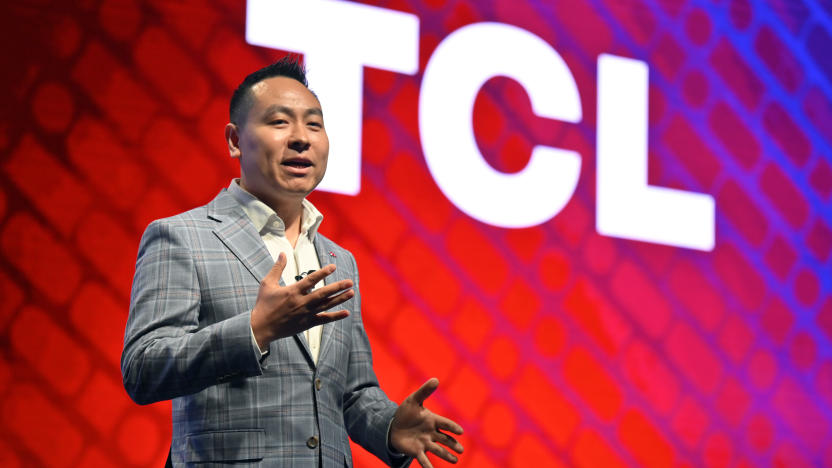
(318, 384)
(312, 442)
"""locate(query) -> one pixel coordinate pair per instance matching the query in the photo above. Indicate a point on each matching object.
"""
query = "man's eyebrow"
(314, 111)
(279, 109)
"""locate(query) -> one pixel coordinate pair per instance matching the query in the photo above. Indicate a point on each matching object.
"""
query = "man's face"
(282, 145)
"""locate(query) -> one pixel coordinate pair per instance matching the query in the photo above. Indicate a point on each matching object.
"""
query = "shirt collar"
(265, 219)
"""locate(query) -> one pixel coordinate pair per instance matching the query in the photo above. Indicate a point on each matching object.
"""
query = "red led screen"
(555, 345)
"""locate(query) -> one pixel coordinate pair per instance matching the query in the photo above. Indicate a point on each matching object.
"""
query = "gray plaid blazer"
(188, 338)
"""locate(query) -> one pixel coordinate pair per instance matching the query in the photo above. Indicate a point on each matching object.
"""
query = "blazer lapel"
(240, 237)
(325, 257)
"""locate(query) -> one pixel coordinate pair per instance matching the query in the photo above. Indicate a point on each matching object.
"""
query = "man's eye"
(277, 122)
(315, 124)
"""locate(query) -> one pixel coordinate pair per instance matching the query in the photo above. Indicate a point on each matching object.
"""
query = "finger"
(423, 460)
(427, 388)
(446, 424)
(322, 294)
(333, 301)
(310, 280)
(440, 452)
(277, 269)
(448, 441)
(327, 317)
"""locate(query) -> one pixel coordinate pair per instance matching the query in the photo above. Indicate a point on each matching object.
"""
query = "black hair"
(241, 101)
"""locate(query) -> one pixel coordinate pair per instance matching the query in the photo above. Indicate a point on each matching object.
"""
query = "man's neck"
(291, 213)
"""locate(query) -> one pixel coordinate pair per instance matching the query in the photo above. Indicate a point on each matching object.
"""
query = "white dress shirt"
(300, 259)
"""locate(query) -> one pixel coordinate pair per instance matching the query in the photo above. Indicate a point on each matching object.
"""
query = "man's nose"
(299, 140)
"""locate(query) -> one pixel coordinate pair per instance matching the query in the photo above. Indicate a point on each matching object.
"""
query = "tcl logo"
(339, 38)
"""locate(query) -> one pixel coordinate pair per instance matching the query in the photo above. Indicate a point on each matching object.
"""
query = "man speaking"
(250, 320)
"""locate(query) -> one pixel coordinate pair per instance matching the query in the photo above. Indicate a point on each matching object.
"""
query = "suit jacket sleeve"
(368, 412)
(166, 352)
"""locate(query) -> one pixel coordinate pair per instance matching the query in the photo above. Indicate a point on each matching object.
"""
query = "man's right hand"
(282, 311)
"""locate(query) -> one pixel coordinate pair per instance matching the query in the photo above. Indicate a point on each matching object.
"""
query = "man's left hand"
(416, 429)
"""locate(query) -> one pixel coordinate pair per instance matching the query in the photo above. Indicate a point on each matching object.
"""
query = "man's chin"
(281, 192)
(304, 185)
(299, 190)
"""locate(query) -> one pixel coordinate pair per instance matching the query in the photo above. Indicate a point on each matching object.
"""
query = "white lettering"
(458, 68)
(626, 206)
(359, 35)
(338, 39)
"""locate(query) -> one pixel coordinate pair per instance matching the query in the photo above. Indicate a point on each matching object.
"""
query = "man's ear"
(232, 138)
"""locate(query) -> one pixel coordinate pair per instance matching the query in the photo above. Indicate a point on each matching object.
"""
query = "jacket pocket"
(231, 445)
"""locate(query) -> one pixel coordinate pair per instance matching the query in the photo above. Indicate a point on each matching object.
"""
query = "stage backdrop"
(694, 328)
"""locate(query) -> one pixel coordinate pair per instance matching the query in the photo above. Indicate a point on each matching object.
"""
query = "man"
(250, 320)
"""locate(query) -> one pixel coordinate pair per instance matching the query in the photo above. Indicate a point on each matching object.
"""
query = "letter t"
(338, 39)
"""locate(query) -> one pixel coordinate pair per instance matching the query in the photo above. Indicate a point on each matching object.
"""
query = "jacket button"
(312, 442)
(318, 384)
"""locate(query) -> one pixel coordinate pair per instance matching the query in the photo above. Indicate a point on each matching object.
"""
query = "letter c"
(456, 71)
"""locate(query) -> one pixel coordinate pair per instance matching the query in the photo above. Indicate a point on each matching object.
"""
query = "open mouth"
(297, 163)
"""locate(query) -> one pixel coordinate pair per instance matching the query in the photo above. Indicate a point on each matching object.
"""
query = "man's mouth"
(299, 163)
